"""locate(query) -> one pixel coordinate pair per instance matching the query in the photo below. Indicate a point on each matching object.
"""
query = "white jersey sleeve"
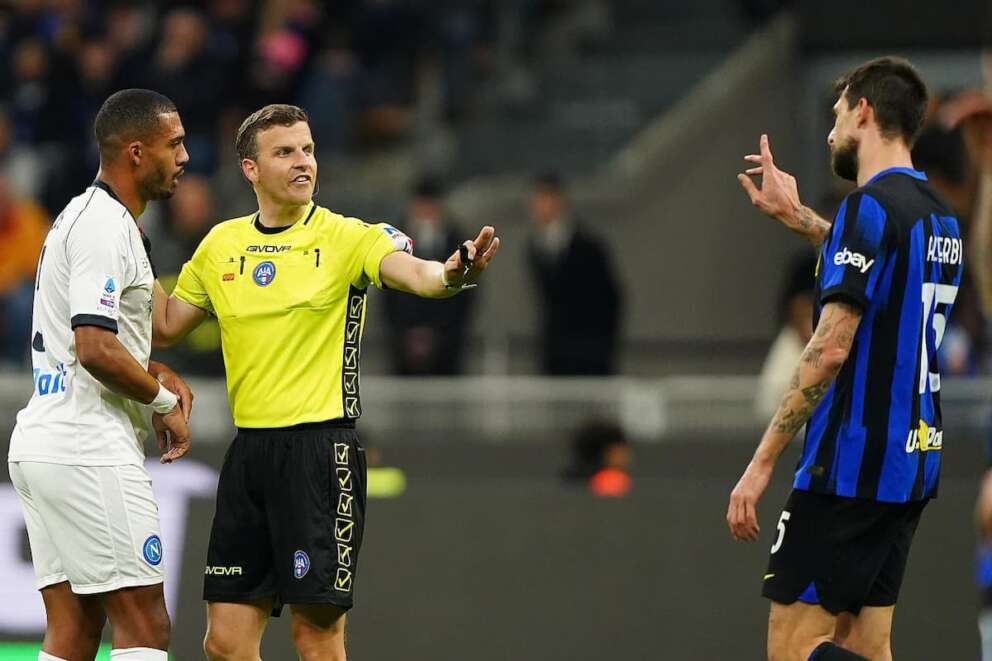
(98, 273)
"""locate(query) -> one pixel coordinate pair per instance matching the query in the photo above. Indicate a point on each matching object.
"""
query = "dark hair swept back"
(894, 89)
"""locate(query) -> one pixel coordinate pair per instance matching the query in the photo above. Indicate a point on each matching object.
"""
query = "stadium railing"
(502, 409)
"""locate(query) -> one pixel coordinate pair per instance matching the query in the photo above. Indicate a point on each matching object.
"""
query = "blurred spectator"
(428, 336)
(331, 96)
(949, 151)
(983, 560)
(184, 69)
(23, 226)
(580, 300)
(191, 212)
(795, 313)
(19, 165)
(600, 459)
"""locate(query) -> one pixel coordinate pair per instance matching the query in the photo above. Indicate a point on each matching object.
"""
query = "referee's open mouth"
(301, 179)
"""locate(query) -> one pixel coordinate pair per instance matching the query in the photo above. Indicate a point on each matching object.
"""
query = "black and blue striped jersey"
(895, 250)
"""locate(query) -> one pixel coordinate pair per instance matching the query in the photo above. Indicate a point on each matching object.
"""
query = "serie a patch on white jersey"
(107, 302)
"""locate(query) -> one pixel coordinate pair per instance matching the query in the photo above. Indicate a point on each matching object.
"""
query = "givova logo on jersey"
(857, 260)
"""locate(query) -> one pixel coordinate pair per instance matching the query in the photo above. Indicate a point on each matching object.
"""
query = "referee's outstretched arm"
(818, 366)
(407, 273)
(172, 319)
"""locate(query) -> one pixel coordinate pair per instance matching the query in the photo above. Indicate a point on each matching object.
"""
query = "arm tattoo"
(812, 357)
(836, 329)
(812, 225)
(789, 420)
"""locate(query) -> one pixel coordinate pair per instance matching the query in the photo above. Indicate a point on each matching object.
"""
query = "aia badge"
(264, 274)
(301, 564)
(400, 240)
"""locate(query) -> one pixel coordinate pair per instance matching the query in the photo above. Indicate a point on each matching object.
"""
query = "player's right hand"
(479, 252)
(742, 513)
(172, 434)
(778, 195)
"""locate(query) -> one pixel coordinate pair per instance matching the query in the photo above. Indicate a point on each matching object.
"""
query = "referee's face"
(166, 158)
(286, 167)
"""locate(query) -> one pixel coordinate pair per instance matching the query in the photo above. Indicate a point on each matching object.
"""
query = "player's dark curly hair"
(127, 115)
(894, 89)
(276, 114)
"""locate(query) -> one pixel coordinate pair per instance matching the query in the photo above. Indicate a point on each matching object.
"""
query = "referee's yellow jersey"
(291, 308)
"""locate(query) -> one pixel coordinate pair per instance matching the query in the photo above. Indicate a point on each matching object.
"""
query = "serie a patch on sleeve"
(400, 240)
(108, 297)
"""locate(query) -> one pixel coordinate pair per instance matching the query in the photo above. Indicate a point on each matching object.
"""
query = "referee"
(867, 386)
(287, 285)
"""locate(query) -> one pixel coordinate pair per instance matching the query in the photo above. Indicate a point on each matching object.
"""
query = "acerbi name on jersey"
(924, 439)
(945, 250)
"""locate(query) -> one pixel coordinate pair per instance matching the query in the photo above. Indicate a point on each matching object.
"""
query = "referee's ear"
(249, 169)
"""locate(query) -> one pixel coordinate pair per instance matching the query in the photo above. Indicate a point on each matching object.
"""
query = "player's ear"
(134, 153)
(249, 169)
(863, 112)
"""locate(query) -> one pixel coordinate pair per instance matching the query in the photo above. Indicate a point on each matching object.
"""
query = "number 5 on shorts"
(781, 530)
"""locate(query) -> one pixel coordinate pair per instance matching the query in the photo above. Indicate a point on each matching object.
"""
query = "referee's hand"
(742, 513)
(461, 272)
(172, 434)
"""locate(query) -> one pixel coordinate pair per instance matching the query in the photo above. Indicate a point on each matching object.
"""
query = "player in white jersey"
(76, 457)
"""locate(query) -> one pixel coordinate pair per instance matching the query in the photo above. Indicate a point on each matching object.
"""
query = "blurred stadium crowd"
(356, 65)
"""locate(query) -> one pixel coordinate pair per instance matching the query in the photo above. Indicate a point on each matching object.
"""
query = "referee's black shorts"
(290, 516)
(840, 553)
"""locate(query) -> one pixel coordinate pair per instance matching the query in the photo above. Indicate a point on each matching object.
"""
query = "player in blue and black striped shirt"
(867, 386)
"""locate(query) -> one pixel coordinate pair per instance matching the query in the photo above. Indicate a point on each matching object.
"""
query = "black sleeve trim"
(846, 294)
(94, 320)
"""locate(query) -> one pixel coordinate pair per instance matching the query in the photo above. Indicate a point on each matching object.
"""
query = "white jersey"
(93, 271)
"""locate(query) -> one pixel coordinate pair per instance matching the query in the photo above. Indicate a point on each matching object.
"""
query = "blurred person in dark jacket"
(23, 226)
(183, 66)
(580, 300)
(427, 337)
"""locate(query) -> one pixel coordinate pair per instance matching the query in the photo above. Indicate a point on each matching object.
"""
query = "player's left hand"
(778, 195)
(174, 383)
(172, 435)
(742, 513)
(479, 252)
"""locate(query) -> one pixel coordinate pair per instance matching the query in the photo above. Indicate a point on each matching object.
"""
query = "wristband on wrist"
(445, 284)
(164, 401)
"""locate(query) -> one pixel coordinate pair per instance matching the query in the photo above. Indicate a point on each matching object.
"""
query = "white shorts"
(93, 526)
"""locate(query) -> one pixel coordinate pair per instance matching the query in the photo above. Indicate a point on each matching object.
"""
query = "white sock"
(45, 656)
(139, 654)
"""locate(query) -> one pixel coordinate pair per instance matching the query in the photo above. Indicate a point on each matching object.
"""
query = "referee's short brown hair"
(275, 114)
